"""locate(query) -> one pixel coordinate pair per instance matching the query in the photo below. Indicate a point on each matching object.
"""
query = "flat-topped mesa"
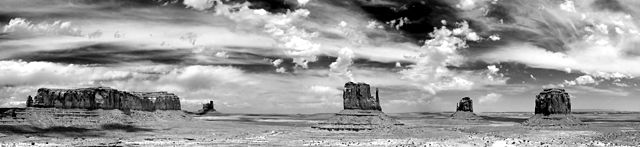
(357, 96)
(466, 104)
(464, 110)
(553, 108)
(104, 98)
(361, 111)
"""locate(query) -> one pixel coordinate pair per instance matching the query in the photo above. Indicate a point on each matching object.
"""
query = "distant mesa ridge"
(361, 111)
(103, 98)
(553, 108)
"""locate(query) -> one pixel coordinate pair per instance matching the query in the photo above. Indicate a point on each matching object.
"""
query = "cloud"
(21, 26)
(203, 77)
(582, 80)
(200, 4)
(430, 71)
(26, 73)
(324, 90)
(490, 98)
(600, 91)
(342, 63)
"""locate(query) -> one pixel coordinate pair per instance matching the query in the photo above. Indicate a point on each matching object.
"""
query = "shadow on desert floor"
(610, 120)
(504, 119)
(69, 131)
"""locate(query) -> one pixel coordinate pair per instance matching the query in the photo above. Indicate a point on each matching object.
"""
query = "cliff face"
(466, 104)
(357, 96)
(104, 98)
(553, 101)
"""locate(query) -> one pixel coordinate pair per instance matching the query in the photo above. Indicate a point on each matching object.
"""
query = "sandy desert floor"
(420, 129)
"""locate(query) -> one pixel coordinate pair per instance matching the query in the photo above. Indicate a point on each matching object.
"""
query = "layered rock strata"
(464, 110)
(553, 108)
(361, 111)
(104, 98)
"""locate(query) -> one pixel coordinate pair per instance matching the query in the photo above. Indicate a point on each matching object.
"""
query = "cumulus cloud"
(430, 71)
(295, 42)
(342, 63)
(21, 26)
(222, 54)
(200, 4)
(490, 98)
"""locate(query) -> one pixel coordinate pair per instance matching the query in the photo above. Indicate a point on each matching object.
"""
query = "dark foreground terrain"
(420, 129)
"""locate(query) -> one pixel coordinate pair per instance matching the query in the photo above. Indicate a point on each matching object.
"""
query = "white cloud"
(277, 62)
(21, 73)
(592, 90)
(466, 4)
(599, 62)
(222, 54)
(303, 2)
(324, 90)
(24, 27)
(490, 98)
(430, 71)
(200, 4)
(281, 70)
(568, 6)
(586, 79)
(203, 77)
(342, 63)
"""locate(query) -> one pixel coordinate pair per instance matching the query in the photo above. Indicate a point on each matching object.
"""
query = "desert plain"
(178, 128)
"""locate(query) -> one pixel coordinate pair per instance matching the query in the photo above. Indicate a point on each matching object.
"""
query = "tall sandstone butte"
(553, 108)
(361, 111)
(464, 110)
(104, 98)
(357, 96)
(465, 104)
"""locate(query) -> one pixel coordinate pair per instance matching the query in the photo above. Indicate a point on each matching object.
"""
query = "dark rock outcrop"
(464, 110)
(207, 108)
(29, 101)
(466, 104)
(104, 98)
(357, 96)
(553, 101)
(553, 108)
(361, 111)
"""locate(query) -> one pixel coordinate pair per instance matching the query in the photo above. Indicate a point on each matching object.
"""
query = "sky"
(294, 56)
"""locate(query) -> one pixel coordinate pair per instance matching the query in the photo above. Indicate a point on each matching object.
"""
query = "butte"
(553, 108)
(207, 108)
(464, 110)
(361, 111)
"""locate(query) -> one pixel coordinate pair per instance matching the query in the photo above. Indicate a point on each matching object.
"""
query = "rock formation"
(357, 96)
(466, 105)
(104, 98)
(553, 108)
(29, 101)
(464, 110)
(207, 108)
(361, 111)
